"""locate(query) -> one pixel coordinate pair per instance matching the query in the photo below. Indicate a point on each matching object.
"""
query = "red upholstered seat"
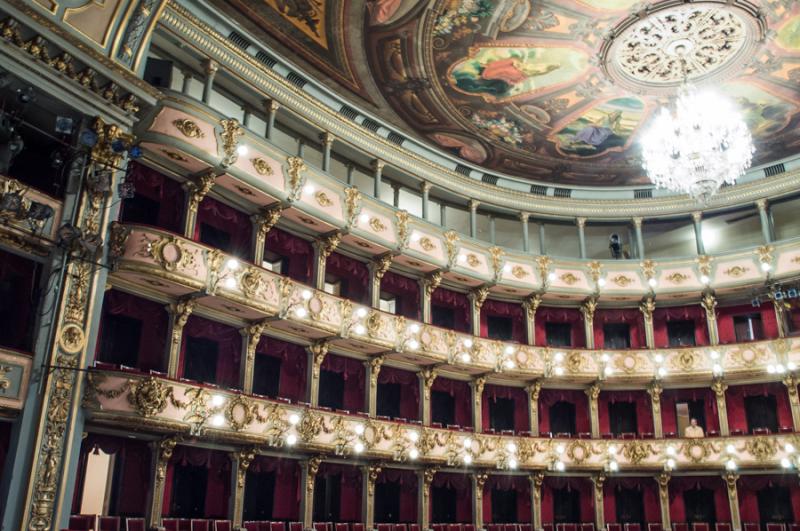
(566, 527)
(251, 526)
(493, 527)
(722, 526)
(469, 527)
(298, 526)
(633, 527)
(134, 524)
(680, 527)
(654, 527)
(82, 522)
(776, 527)
(794, 527)
(277, 526)
(321, 526)
(614, 527)
(199, 525)
(170, 524)
(222, 525)
(108, 523)
(698, 526)
(439, 527)
(751, 526)
(587, 527)
(454, 527)
(356, 527)
(547, 527)
(413, 527)
(384, 527)
(400, 527)
(525, 527)
(263, 525)
(184, 524)
(340, 526)
(510, 527)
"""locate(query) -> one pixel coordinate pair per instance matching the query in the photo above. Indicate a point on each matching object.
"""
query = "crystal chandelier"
(697, 146)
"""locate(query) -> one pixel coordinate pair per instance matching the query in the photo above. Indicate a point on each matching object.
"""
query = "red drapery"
(159, 188)
(459, 303)
(349, 489)
(286, 501)
(669, 416)
(678, 485)
(519, 396)
(154, 321)
(749, 486)
(409, 389)
(734, 400)
(548, 397)
(769, 321)
(582, 485)
(408, 482)
(406, 293)
(229, 348)
(631, 317)
(462, 397)
(504, 309)
(353, 373)
(462, 484)
(644, 411)
(18, 311)
(686, 313)
(294, 360)
(648, 488)
(222, 217)
(560, 315)
(218, 486)
(353, 274)
(295, 251)
(519, 484)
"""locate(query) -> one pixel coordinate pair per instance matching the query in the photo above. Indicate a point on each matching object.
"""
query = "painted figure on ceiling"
(596, 133)
(499, 76)
(304, 10)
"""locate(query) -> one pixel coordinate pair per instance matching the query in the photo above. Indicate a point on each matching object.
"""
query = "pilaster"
(377, 269)
(262, 224)
(536, 479)
(709, 304)
(373, 370)
(647, 307)
(478, 481)
(719, 387)
(196, 191)
(473, 217)
(425, 478)
(426, 379)
(428, 285)
(179, 313)
(308, 475)
(240, 462)
(794, 400)
(425, 188)
(733, 499)
(210, 67)
(323, 247)
(377, 167)
(477, 297)
(327, 140)
(162, 450)
(251, 335)
(587, 309)
(476, 386)
(370, 475)
(663, 498)
(655, 390)
(593, 392)
(316, 353)
(530, 305)
(533, 391)
(271, 106)
(598, 481)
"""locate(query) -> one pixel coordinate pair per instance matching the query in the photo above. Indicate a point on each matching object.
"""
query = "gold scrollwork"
(322, 199)
(149, 396)
(622, 281)
(426, 244)
(72, 339)
(473, 260)
(262, 167)
(678, 278)
(736, 271)
(377, 225)
(240, 413)
(174, 155)
(569, 279)
(519, 272)
(189, 128)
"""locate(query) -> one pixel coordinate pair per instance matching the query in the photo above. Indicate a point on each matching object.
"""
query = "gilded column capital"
(266, 219)
(663, 481)
(480, 480)
(428, 376)
(271, 106)
(327, 139)
(181, 309)
(199, 188)
(593, 392)
(537, 480)
(599, 480)
(372, 472)
(425, 187)
(719, 387)
(378, 165)
(730, 481)
(427, 479)
(242, 460)
(647, 307)
(252, 334)
(210, 67)
(318, 350)
(531, 304)
(762, 203)
(697, 216)
(580, 222)
(479, 296)
(478, 385)
(431, 281)
(524, 216)
(381, 264)
(588, 308)
(709, 304)
(328, 243)
(374, 364)
(473, 205)
(791, 382)
(534, 389)
(637, 222)
(654, 389)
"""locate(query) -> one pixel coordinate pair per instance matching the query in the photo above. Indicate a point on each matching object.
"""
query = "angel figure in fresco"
(306, 11)
(499, 76)
(596, 133)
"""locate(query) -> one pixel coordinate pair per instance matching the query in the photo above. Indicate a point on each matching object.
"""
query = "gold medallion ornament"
(72, 339)
(189, 128)
(262, 167)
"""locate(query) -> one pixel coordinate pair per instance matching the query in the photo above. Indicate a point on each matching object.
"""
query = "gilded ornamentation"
(381, 265)
(543, 263)
(352, 201)
(730, 482)
(243, 459)
(451, 240)
(636, 451)
(322, 199)
(373, 471)
(709, 303)
(168, 251)
(318, 349)
(262, 167)
(534, 389)
(736, 271)
(328, 243)
(116, 242)
(593, 392)
(519, 272)
(252, 334)
(72, 338)
(761, 449)
(377, 225)
(312, 467)
(685, 360)
(199, 189)
(588, 308)
(189, 128)
(622, 281)
(428, 377)
(473, 260)
(568, 278)
(402, 228)
(149, 396)
(375, 363)
(231, 131)
(595, 269)
(240, 412)
(296, 177)
(174, 155)
(479, 296)
(647, 307)
(266, 219)
(574, 362)
(310, 426)
(426, 244)
(764, 253)
(697, 451)
(719, 387)
(531, 304)
(496, 253)
(478, 384)
(579, 451)
(649, 269)
(427, 479)
(678, 278)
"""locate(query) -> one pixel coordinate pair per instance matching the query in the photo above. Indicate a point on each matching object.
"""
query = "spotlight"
(413, 435)
(301, 312)
(613, 466)
(363, 218)
(559, 371)
(9, 148)
(786, 463)
(601, 282)
(704, 279)
(465, 357)
(242, 150)
(512, 464)
(359, 429)
(731, 465)
(765, 266)
(670, 464)
(551, 276)
(56, 159)
(232, 264)
(230, 283)
(64, 125)
(653, 282)
(361, 312)
(308, 189)
(560, 466)
(414, 328)
(468, 343)
(511, 447)
(306, 294)
(358, 447)
(360, 329)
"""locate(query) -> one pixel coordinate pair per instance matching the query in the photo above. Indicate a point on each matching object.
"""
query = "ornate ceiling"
(553, 90)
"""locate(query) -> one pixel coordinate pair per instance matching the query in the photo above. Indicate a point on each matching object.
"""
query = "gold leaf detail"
(519, 272)
(473, 260)
(189, 128)
(426, 244)
(622, 280)
(569, 279)
(261, 166)
(322, 199)
(736, 271)
(377, 225)
(678, 278)
(174, 155)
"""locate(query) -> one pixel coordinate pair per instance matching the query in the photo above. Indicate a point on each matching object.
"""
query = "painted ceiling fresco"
(553, 90)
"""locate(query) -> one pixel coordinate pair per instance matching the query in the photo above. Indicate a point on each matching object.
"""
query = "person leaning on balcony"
(693, 430)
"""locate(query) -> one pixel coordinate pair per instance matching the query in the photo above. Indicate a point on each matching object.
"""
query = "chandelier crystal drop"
(697, 146)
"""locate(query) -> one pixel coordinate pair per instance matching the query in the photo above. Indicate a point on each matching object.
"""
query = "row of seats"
(196, 524)
(93, 522)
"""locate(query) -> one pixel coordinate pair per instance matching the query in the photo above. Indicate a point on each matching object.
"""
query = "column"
(478, 481)
(425, 188)
(350, 170)
(581, 222)
(308, 474)
(179, 313)
(794, 400)
(536, 480)
(377, 167)
(247, 116)
(428, 285)
(780, 316)
(271, 106)
(323, 247)
(377, 269)
(697, 219)
(476, 386)
(477, 297)
(262, 224)
(541, 239)
(373, 369)
(526, 238)
(709, 304)
(593, 392)
(647, 307)
(426, 379)
(301, 148)
(733, 499)
(327, 143)
(533, 391)
(162, 450)
(655, 390)
(251, 335)
(443, 214)
(598, 481)
(240, 462)
(316, 353)
(719, 387)
(473, 217)
(196, 191)
(492, 229)
(663, 498)
(763, 214)
(530, 305)
(637, 227)
(370, 475)
(211, 68)
(424, 480)
(587, 309)
(396, 195)
(187, 82)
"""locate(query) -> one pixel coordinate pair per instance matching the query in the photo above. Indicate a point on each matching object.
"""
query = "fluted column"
(308, 475)
(424, 480)
(530, 305)
(663, 498)
(476, 386)
(478, 481)
(587, 309)
(794, 400)
(763, 214)
(262, 224)
(428, 285)
(536, 479)
(655, 390)
(647, 307)
(162, 450)
(240, 462)
(179, 313)
(373, 369)
(697, 221)
(593, 392)
(323, 247)
(533, 391)
(477, 297)
(733, 499)
(251, 335)
(377, 167)
(426, 379)
(370, 475)
(211, 68)
(271, 106)
(425, 188)
(526, 238)
(581, 223)
(327, 143)
(377, 269)
(196, 190)
(598, 480)
(709, 304)
(473, 217)
(637, 227)
(719, 387)
(316, 355)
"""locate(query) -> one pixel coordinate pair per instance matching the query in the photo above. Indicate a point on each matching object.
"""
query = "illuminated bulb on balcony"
(716, 369)
(789, 448)
(468, 343)
(294, 419)
(217, 400)
(414, 328)
(415, 237)
(653, 282)
(612, 450)
(605, 358)
(306, 294)
(308, 189)
(358, 447)
(242, 150)
(730, 449)
(559, 357)
(230, 283)
(465, 357)
(559, 371)
(232, 264)
(512, 464)
(771, 368)
(360, 329)
(462, 258)
(786, 463)
(704, 279)
(765, 266)
(780, 369)
(509, 364)
(613, 466)
(291, 439)
(601, 282)
(217, 420)
(670, 450)
(670, 464)
(467, 443)
(551, 276)
(413, 436)
(791, 366)
(413, 453)
(507, 268)
(509, 349)
(467, 459)
(658, 358)
(714, 355)
(359, 429)
(363, 218)
(413, 344)
(730, 464)
(560, 449)
(560, 466)
(301, 312)
(361, 313)
(608, 371)
(511, 447)
(662, 371)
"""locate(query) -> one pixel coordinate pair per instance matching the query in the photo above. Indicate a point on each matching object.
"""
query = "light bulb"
(765, 266)
(363, 218)
(306, 294)
(465, 357)
(608, 371)
(413, 453)
(605, 358)
(653, 282)
(717, 369)
(413, 435)
(361, 312)
(670, 463)
(308, 189)
(512, 464)
(230, 283)
(217, 420)
(242, 150)
(551, 276)
(771, 368)
(786, 463)
(659, 358)
(294, 419)
(730, 464)
(662, 371)
(560, 449)
(509, 349)
(232, 264)
(467, 459)
(730, 449)
(359, 429)
(358, 447)
(713, 355)
(508, 364)
(789, 447)
(612, 450)
(559, 371)
(413, 344)
(704, 279)
(670, 450)
(291, 439)
(468, 343)
(511, 447)
(414, 328)
(613, 466)
(467, 443)
(415, 237)
(791, 366)
(601, 282)
(300, 312)
(780, 369)
(507, 268)
(462, 258)
(217, 400)
(560, 466)
(360, 329)
(559, 357)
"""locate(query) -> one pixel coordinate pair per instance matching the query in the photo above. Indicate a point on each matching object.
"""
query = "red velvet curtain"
(648, 488)
(229, 342)
(286, 501)
(572, 316)
(222, 217)
(18, 311)
(409, 389)
(459, 303)
(462, 397)
(631, 317)
(349, 489)
(353, 274)
(548, 397)
(519, 484)
(409, 485)
(669, 416)
(734, 400)
(727, 333)
(406, 293)
(218, 486)
(504, 309)
(165, 191)
(519, 396)
(294, 361)
(582, 485)
(749, 486)
(354, 374)
(154, 319)
(295, 251)
(678, 485)
(685, 313)
(644, 411)
(462, 484)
